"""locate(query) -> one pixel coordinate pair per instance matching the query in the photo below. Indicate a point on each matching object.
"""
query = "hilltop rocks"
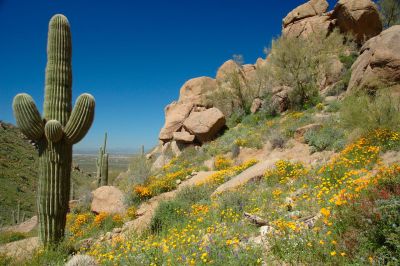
(195, 90)
(206, 124)
(108, 199)
(379, 60)
(357, 17)
(309, 9)
(175, 114)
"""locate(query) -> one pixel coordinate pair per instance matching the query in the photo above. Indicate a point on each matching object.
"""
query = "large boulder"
(195, 90)
(379, 60)
(108, 199)
(305, 27)
(310, 9)
(183, 137)
(206, 124)
(226, 69)
(359, 17)
(175, 114)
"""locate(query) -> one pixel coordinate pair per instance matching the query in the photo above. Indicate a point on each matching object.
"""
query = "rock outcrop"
(206, 124)
(379, 60)
(357, 17)
(195, 90)
(108, 199)
(175, 114)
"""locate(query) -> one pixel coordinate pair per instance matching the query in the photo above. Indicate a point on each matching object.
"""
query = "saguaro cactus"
(102, 164)
(56, 132)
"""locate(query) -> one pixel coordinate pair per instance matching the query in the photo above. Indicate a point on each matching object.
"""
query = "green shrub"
(390, 12)
(140, 169)
(299, 63)
(167, 214)
(235, 118)
(333, 107)
(326, 138)
(365, 112)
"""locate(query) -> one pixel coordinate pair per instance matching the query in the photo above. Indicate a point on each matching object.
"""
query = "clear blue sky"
(133, 56)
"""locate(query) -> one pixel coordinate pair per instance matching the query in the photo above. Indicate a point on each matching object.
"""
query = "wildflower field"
(352, 201)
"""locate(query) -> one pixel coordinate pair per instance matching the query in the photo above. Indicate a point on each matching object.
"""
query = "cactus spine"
(102, 164)
(60, 128)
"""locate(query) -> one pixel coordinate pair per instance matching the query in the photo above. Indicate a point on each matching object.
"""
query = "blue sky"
(133, 56)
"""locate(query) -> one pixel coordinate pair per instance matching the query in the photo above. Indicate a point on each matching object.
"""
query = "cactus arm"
(27, 116)
(53, 131)
(81, 118)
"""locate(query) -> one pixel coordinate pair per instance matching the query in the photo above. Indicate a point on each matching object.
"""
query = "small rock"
(81, 260)
(117, 230)
(266, 230)
(178, 181)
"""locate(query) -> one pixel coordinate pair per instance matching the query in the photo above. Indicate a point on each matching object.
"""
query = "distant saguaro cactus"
(56, 132)
(102, 164)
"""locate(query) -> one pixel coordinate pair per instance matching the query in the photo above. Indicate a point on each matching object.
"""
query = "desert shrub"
(301, 62)
(277, 140)
(293, 121)
(390, 12)
(333, 107)
(235, 118)
(140, 169)
(166, 214)
(235, 150)
(368, 112)
(343, 83)
(326, 138)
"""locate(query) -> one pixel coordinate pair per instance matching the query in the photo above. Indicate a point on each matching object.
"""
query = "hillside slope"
(18, 173)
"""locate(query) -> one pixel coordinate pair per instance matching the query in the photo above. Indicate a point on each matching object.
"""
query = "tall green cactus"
(102, 165)
(56, 132)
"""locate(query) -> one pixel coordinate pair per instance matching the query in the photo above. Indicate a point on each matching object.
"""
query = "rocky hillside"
(18, 173)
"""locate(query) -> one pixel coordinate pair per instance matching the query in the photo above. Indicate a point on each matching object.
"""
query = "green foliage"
(7, 237)
(365, 112)
(390, 12)
(301, 62)
(328, 137)
(333, 107)
(56, 132)
(140, 170)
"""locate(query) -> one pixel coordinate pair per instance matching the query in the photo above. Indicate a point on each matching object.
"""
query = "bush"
(390, 12)
(140, 169)
(300, 63)
(167, 214)
(327, 138)
(277, 140)
(368, 112)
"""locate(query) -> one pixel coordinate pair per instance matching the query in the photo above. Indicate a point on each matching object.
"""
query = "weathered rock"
(280, 98)
(359, 17)
(21, 249)
(175, 114)
(303, 28)
(177, 147)
(159, 163)
(256, 105)
(226, 69)
(108, 199)
(183, 136)
(205, 125)
(81, 260)
(195, 90)
(299, 133)
(249, 71)
(379, 60)
(24, 227)
(309, 9)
